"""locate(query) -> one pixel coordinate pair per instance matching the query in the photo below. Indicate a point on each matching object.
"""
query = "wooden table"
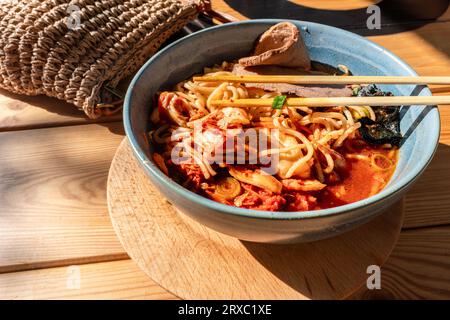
(54, 162)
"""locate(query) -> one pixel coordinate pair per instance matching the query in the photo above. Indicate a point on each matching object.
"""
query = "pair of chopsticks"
(331, 80)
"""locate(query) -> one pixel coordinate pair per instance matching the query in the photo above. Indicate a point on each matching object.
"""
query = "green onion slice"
(278, 102)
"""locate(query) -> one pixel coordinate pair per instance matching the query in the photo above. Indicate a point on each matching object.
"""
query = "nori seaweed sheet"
(386, 127)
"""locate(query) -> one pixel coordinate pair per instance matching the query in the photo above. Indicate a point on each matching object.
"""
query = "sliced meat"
(298, 90)
(281, 45)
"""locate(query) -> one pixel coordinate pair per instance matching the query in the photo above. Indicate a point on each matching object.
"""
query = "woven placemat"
(75, 49)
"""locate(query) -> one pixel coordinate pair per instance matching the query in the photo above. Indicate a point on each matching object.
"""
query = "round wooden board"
(194, 262)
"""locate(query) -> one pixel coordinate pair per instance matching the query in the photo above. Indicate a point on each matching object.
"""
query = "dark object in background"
(415, 9)
(411, 14)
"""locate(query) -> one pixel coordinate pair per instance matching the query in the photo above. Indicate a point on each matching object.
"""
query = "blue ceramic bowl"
(326, 44)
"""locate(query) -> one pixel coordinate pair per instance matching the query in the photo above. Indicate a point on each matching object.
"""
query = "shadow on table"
(332, 268)
(69, 113)
(50, 104)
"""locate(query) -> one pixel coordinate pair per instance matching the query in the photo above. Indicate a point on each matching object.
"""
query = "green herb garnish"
(278, 102)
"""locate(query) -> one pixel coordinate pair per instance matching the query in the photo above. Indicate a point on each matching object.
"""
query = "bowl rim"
(387, 193)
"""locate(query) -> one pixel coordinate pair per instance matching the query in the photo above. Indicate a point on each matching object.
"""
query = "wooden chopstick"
(325, 79)
(337, 101)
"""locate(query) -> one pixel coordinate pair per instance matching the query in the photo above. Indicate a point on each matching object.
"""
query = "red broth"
(367, 173)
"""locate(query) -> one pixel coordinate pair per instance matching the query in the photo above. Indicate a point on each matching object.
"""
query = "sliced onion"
(357, 156)
(376, 156)
(228, 188)
(257, 179)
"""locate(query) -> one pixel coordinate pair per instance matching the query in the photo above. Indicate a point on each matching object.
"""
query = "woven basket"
(74, 49)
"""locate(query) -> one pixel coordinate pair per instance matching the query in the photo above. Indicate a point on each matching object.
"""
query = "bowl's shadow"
(326, 269)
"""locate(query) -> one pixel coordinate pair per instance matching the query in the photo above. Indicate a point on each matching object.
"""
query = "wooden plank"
(53, 196)
(108, 280)
(426, 49)
(417, 269)
(428, 203)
